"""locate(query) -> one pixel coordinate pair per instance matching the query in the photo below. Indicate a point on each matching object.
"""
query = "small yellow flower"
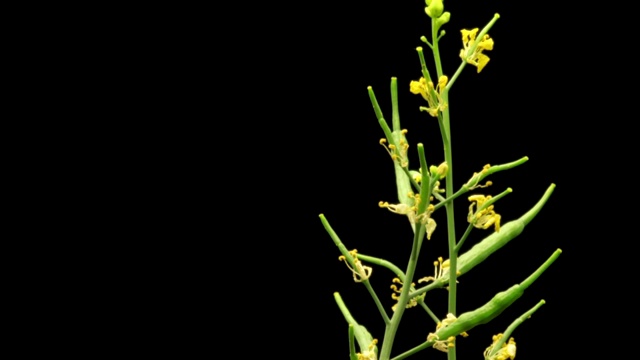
(399, 155)
(443, 345)
(361, 272)
(506, 352)
(474, 182)
(369, 354)
(476, 58)
(439, 267)
(484, 218)
(402, 209)
(432, 94)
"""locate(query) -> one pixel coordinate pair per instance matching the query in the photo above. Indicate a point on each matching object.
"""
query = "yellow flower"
(476, 58)
(369, 354)
(432, 94)
(399, 155)
(484, 218)
(506, 352)
(361, 272)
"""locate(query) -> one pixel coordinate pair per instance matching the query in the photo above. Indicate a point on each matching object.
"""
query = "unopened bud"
(435, 9)
(442, 170)
(443, 19)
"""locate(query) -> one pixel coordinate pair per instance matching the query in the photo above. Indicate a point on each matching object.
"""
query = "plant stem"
(464, 237)
(426, 308)
(448, 158)
(390, 331)
(352, 345)
(455, 76)
(434, 285)
(414, 350)
(381, 309)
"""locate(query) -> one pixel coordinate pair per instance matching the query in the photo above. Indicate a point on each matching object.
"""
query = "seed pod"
(496, 240)
(495, 306)
(483, 314)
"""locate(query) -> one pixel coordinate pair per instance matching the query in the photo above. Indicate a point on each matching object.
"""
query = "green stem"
(435, 48)
(381, 309)
(464, 237)
(494, 199)
(424, 40)
(352, 345)
(451, 229)
(434, 285)
(414, 350)
(448, 157)
(451, 198)
(426, 308)
(391, 330)
(455, 76)
(384, 263)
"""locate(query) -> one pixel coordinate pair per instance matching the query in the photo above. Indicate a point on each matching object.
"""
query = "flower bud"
(434, 10)
(443, 19)
(442, 170)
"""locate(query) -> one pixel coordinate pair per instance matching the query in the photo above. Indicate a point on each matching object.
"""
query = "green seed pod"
(496, 240)
(496, 305)
(364, 338)
(483, 314)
